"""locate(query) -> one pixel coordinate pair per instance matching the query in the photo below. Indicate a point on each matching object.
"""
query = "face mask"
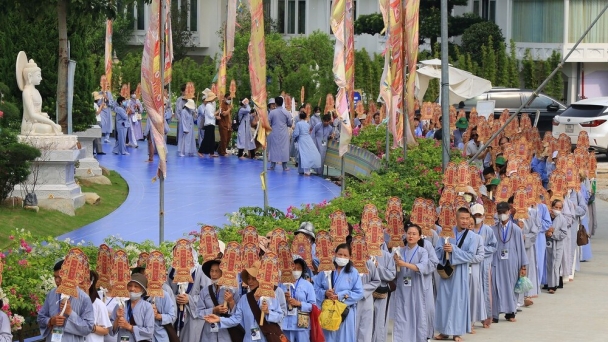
(557, 212)
(228, 101)
(135, 295)
(468, 197)
(503, 217)
(478, 220)
(341, 261)
(133, 96)
(296, 275)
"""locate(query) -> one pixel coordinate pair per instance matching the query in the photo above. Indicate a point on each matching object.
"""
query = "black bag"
(446, 271)
(236, 122)
(237, 333)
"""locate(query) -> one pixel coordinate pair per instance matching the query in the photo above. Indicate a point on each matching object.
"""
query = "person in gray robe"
(578, 209)
(189, 325)
(308, 155)
(244, 141)
(77, 320)
(122, 126)
(531, 228)
(452, 311)
(365, 307)
(509, 262)
(385, 265)
(179, 105)
(555, 244)
(489, 245)
(478, 307)
(278, 140)
(430, 284)
(322, 133)
(135, 320)
(585, 191)
(337, 126)
(315, 118)
(591, 205)
(168, 114)
(165, 313)
(541, 243)
(105, 103)
(200, 123)
(187, 138)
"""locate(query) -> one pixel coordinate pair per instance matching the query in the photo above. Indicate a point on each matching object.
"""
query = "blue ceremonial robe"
(165, 306)
(453, 312)
(278, 139)
(321, 135)
(315, 119)
(305, 293)
(365, 307)
(106, 115)
(243, 140)
(309, 157)
(431, 283)
(122, 126)
(586, 254)
(143, 315)
(243, 316)
(541, 242)
(555, 250)
(478, 304)
(205, 307)
(77, 325)
(387, 272)
(187, 139)
(489, 243)
(344, 284)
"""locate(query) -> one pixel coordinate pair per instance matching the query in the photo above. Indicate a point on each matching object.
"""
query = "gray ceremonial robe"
(430, 284)
(166, 308)
(387, 272)
(205, 307)
(365, 307)
(278, 139)
(243, 140)
(489, 243)
(478, 304)
(531, 228)
(143, 329)
(77, 325)
(314, 120)
(187, 141)
(106, 114)
(320, 135)
(200, 123)
(555, 250)
(510, 256)
(180, 103)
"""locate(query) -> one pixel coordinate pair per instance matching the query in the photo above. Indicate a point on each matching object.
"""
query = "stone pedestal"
(53, 173)
(88, 165)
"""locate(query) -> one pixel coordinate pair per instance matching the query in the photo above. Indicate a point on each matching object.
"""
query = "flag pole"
(161, 188)
(404, 106)
(445, 83)
(387, 106)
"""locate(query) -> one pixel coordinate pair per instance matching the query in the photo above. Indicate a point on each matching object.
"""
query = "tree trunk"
(62, 72)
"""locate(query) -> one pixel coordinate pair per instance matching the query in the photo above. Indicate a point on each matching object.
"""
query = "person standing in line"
(385, 264)
(337, 125)
(211, 115)
(105, 103)
(97, 145)
(300, 297)
(179, 105)
(131, 106)
(134, 322)
(555, 244)
(225, 125)
(531, 227)
(137, 109)
(489, 243)
(244, 141)
(478, 307)
(200, 122)
(365, 307)
(315, 118)
(322, 133)
(278, 139)
(461, 126)
(186, 121)
(122, 125)
(509, 263)
(102, 323)
(308, 155)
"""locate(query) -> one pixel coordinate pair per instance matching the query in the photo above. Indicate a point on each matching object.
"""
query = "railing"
(358, 161)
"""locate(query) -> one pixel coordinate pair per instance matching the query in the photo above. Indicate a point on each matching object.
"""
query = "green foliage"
(368, 72)
(430, 20)
(11, 118)
(477, 34)
(488, 64)
(513, 66)
(529, 70)
(555, 88)
(369, 24)
(372, 138)
(502, 63)
(15, 159)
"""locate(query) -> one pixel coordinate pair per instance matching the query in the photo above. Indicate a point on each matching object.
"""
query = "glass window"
(140, 15)
(541, 102)
(539, 21)
(582, 13)
(302, 17)
(476, 7)
(291, 17)
(506, 100)
(193, 15)
(584, 111)
(473, 102)
(266, 4)
(492, 14)
(281, 17)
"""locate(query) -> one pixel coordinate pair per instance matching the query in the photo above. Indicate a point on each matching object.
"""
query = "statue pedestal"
(52, 177)
(88, 166)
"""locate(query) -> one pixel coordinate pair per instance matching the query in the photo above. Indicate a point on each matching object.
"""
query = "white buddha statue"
(34, 122)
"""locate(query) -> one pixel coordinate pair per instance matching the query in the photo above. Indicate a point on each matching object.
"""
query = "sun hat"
(462, 123)
(140, 279)
(190, 104)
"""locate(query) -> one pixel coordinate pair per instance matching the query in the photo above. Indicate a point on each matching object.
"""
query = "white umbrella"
(463, 84)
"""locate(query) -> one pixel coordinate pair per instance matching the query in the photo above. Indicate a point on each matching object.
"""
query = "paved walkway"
(197, 191)
(578, 312)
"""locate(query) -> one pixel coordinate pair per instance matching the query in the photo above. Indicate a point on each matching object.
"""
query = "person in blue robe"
(430, 282)
(489, 244)
(308, 155)
(136, 109)
(365, 307)
(585, 193)
(244, 314)
(244, 141)
(555, 244)
(106, 103)
(278, 139)
(531, 227)
(163, 308)
(452, 311)
(122, 125)
(300, 297)
(134, 321)
(410, 316)
(179, 105)
(539, 165)
(343, 284)
(316, 118)
(545, 223)
(578, 204)
(200, 123)
(77, 320)
(509, 263)
(322, 133)
(385, 265)
(186, 122)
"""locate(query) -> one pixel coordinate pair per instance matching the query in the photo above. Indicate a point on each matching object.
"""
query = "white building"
(544, 26)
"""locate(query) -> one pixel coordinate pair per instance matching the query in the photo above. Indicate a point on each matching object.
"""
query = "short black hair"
(376, 114)
(132, 92)
(302, 115)
(183, 88)
(278, 101)
(317, 108)
(346, 246)
(120, 100)
(138, 269)
(58, 265)
(326, 117)
(488, 170)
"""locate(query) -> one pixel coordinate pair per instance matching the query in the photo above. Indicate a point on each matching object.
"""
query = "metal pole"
(405, 127)
(387, 144)
(343, 175)
(161, 188)
(388, 105)
(540, 87)
(265, 179)
(445, 83)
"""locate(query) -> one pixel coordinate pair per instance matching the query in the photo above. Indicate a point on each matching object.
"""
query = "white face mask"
(503, 217)
(296, 275)
(228, 101)
(133, 96)
(341, 261)
(478, 220)
(557, 212)
(135, 295)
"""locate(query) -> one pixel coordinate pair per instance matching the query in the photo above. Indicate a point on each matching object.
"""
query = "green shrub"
(15, 161)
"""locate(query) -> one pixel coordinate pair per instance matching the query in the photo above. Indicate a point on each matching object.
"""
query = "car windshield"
(584, 111)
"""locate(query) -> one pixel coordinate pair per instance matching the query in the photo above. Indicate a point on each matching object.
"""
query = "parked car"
(512, 99)
(586, 115)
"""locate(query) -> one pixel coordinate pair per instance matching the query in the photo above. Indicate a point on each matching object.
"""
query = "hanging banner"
(257, 68)
(108, 53)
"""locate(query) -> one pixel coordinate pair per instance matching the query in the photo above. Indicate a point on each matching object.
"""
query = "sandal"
(528, 301)
(457, 339)
(441, 337)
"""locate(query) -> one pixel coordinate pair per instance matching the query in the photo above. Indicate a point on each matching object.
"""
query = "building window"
(193, 15)
(476, 7)
(291, 17)
(582, 13)
(266, 5)
(488, 9)
(141, 18)
(539, 21)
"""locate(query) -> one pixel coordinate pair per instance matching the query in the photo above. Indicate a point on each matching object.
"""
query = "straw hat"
(251, 271)
(210, 96)
(190, 104)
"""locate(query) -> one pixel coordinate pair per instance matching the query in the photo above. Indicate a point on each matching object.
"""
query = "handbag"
(582, 238)
(331, 314)
(303, 320)
(316, 332)
(272, 331)
(447, 270)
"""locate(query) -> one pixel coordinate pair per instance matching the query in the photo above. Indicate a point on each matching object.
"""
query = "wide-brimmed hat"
(97, 95)
(306, 228)
(207, 266)
(210, 96)
(251, 271)
(271, 101)
(462, 123)
(140, 279)
(501, 161)
(190, 104)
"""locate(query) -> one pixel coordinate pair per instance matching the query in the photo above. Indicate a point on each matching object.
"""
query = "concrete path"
(578, 312)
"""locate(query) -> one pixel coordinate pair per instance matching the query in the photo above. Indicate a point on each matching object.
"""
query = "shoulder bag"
(446, 271)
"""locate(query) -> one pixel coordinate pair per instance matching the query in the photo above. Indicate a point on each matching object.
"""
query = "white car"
(589, 115)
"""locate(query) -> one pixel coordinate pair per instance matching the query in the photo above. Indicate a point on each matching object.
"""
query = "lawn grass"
(53, 223)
